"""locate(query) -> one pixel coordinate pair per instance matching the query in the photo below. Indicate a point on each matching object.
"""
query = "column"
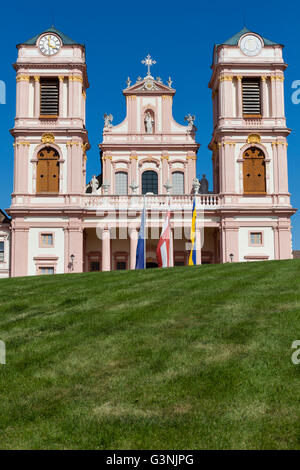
(228, 101)
(19, 251)
(133, 247)
(133, 169)
(106, 249)
(22, 96)
(198, 246)
(191, 170)
(36, 96)
(285, 242)
(75, 246)
(165, 172)
(77, 95)
(70, 96)
(264, 97)
(273, 94)
(282, 167)
(239, 97)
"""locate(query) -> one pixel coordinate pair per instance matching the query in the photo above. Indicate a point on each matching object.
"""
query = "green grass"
(182, 358)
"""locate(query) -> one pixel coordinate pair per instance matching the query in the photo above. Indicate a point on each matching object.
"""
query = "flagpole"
(145, 231)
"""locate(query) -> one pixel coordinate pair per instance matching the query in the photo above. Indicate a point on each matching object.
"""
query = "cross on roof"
(148, 62)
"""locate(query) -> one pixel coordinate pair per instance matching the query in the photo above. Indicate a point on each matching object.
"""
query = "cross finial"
(148, 62)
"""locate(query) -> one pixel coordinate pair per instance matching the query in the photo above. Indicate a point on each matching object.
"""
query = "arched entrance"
(47, 178)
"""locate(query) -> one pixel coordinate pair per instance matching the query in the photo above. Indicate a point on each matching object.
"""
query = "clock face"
(49, 44)
(250, 45)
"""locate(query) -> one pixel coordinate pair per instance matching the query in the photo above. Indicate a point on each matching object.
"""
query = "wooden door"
(254, 171)
(47, 171)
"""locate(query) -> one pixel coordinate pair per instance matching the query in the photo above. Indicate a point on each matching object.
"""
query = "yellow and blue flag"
(192, 257)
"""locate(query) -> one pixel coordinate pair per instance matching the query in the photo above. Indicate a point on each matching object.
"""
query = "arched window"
(149, 182)
(254, 171)
(178, 182)
(121, 180)
(47, 179)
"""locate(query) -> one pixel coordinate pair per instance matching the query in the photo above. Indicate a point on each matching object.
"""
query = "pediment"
(149, 85)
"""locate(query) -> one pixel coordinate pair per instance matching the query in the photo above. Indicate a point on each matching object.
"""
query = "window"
(149, 182)
(121, 265)
(95, 266)
(47, 171)
(121, 179)
(49, 97)
(178, 182)
(251, 97)
(46, 239)
(254, 171)
(1, 252)
(46, 270)
(256, 238)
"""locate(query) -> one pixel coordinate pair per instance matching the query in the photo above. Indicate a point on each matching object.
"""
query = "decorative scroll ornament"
(48, 139)
(254, 139)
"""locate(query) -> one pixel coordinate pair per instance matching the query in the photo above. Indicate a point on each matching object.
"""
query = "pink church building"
(59, 223)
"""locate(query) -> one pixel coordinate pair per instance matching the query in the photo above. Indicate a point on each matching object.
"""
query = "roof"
(233, 41)
(65, 39)
(4, 219)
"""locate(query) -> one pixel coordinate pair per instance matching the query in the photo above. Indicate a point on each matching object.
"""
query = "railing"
(159, 201)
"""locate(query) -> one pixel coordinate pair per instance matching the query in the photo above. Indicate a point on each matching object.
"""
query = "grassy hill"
(181, 358)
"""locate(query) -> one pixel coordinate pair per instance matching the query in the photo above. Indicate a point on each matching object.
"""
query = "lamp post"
(231, 257)
(72, 262)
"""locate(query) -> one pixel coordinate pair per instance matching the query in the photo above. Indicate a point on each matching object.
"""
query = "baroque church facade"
(59, 223)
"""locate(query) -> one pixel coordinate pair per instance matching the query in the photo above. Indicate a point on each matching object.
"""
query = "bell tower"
(50, 142)
(249, 146)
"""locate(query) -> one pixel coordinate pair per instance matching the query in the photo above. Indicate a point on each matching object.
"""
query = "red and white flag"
(163, 248)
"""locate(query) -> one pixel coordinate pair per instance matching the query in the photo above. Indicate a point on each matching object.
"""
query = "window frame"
(255, 232)
(49, 116)
(2, 252)
(42, 234)
(252, 116)
(123, 172)
(142, 176)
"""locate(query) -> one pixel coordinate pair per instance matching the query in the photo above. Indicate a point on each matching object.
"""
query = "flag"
(192, 257)
(140, 262)
(163, 247)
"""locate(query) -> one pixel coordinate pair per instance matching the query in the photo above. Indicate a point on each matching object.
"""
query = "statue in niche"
(149, 123)
(204, 185)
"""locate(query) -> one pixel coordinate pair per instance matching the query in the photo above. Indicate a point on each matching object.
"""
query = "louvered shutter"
(49, 97)
(251, 96)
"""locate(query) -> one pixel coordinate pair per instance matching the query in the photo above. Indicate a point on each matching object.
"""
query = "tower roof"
(233, 41)
(65, 39)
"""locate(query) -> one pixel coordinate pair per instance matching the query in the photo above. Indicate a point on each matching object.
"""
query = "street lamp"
(231, 257)
(72, 262)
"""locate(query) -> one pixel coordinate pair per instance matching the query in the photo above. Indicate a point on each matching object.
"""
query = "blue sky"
(179, 35)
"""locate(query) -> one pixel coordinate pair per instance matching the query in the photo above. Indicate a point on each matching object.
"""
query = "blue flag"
(140, 251)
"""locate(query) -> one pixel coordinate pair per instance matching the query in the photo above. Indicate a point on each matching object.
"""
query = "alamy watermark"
(296, 93)
(296, 354)
(2, 352)
(2, 92)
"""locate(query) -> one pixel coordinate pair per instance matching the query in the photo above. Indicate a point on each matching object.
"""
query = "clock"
(250, 45)
(49, 44)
